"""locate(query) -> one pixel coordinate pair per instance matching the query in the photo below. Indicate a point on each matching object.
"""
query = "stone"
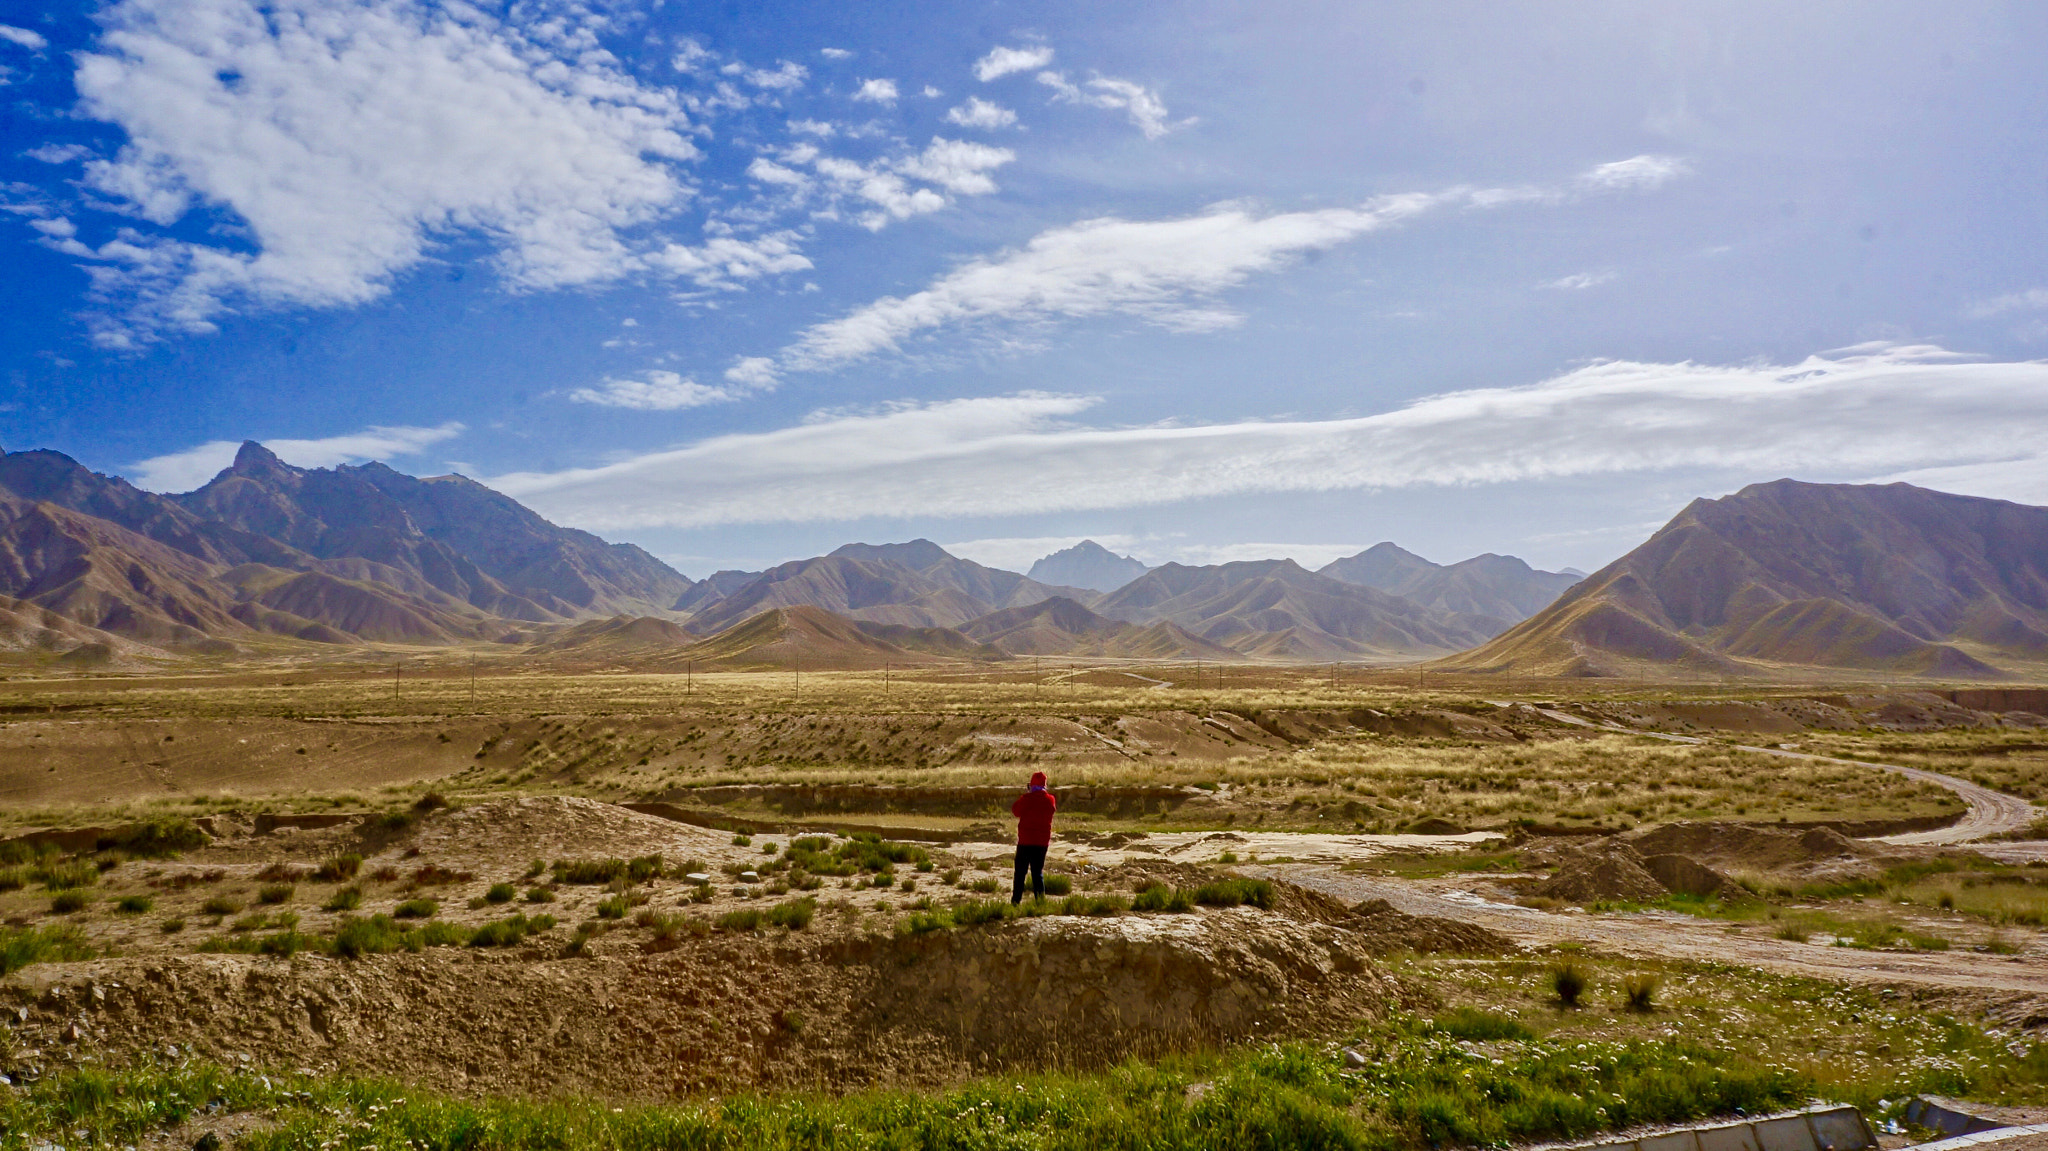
(698, 877)
(750, 877)
(1354, 1059)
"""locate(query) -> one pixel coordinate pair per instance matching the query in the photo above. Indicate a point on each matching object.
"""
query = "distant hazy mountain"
(1277, 610)
(1501, 587)
(915, 584)
(1087, 565)
(1059, 626)
(1879, 578)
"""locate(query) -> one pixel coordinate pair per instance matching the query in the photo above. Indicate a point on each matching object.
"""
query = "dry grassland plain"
(1170, 748)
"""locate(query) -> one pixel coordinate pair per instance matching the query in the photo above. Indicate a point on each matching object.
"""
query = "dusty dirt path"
(2017, 985)
(1989, 812)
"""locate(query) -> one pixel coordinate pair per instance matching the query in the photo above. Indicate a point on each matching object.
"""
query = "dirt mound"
(1603, 873)
(1684, 875)
(1749, 847)
(1386, 930)
(560, 826)
(809, 1010)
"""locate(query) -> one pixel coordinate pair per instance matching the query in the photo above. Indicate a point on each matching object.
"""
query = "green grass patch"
(20, 947)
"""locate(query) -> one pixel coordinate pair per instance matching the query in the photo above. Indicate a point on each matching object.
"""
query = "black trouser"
(1031, 855)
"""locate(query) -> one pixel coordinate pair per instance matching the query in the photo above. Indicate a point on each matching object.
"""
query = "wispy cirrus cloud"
(193, 467)
(1168, 272)
(655, 391)
(23, 37)
(1147, 112)
(1865, 412)
(2031, 300)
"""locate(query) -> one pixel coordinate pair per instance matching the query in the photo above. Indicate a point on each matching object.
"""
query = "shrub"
(274, 892)
(984, 911)
(339, 869)
(1471, 1023)
(952, 875)
(441, 933)
(1568, 982)
(921, 922)
(345, 899)
(158, 837)
(221, 905)
(434, 875)
(669, 930)
(1094, 905)
(431, 801)
(1233, 892)
(280, 873)
(745, 919)
(534, 869)
(376, 935)
(1159, 897)
(69, 900)
(984, 886)
(1058, 885)
(171, 926)
(743, 841)
(539, 895)
(1796, 933)
(13, 878)
(795, 914)
(416, 909)
(58, 876)
(1639, 992)
(135, 904)
(589, 870)
(509, 932)
(500, 893)
(613, 907)
(908, 884)
(56, 944)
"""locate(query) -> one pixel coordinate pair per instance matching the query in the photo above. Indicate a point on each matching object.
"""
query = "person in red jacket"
(1033, 810)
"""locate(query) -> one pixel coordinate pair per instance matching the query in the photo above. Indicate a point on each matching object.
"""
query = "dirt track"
(2013, 988)
(1990, 812)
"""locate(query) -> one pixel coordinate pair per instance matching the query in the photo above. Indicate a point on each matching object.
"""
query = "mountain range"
(1863, 578)
(270, 557)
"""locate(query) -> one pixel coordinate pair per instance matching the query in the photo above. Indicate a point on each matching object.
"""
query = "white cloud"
(1580, 281)
(725, 261)
(1636, 173)
(956, 167)
(752, 372)
(1866, 413)
(2033, 299)
(979, 113)
(818, 128)
(1003, 61)
(193, 467)
(877, 91)
(58, 153)
(659, 391)
(960, 166)
(1147, 268)
(33, 41)
(1146, 110)
(350, 138)
(784, 78)
(835, 53)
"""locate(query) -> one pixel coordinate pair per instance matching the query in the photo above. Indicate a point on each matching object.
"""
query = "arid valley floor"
(657, 890)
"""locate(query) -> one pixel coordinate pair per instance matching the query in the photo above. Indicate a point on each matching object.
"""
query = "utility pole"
(799, 675)
(690, 676)
(394, 681)
(472, 680)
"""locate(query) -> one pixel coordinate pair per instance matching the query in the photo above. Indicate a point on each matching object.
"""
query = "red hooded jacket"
(1033, 810)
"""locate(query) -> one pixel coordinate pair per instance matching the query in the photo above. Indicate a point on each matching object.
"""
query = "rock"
(1354, 1059)
(207, 1142)
(750, 877)
(698, 877)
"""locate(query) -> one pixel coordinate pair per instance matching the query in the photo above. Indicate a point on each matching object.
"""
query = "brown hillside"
(781, 637)
(1892, 578)
(1059, 626)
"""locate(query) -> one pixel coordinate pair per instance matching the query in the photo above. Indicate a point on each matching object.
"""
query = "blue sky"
(1202, 281)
